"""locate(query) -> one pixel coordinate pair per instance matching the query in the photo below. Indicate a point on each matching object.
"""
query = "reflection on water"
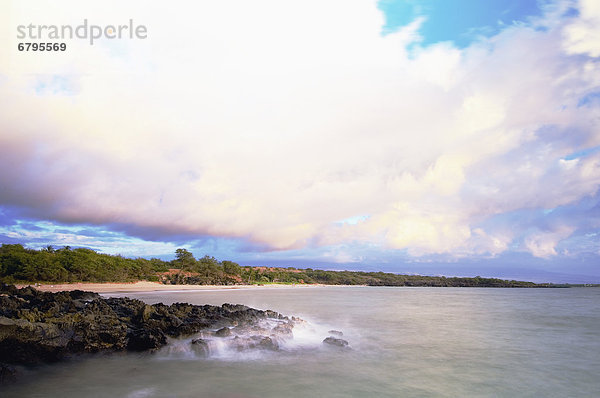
(405, 342)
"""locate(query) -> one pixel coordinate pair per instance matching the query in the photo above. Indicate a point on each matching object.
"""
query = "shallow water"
(405, 342)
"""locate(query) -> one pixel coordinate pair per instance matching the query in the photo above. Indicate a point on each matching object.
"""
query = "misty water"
(405, 342)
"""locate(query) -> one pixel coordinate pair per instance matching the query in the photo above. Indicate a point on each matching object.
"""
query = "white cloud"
(543, 244)
(272, 122)
(583, 36)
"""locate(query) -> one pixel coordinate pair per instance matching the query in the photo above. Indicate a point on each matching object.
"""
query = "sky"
(433, 137)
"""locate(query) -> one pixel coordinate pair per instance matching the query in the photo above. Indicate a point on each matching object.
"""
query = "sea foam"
(268, 338)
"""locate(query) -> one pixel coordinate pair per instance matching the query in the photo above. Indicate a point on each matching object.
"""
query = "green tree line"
(73, 265)
(19, 264)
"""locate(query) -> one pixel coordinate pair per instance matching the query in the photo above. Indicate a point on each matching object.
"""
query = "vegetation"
(73, 265)
(19, 264)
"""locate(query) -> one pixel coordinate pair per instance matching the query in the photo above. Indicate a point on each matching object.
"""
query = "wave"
(263, 340)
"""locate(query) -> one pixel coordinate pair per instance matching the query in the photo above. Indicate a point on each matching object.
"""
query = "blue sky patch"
(589, 99)
(460, 22)
(582, 153)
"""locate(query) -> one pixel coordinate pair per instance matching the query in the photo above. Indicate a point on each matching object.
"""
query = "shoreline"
(145, 286)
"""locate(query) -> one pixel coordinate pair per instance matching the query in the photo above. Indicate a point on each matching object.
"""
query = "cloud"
(40, 234)
(582, 36)
(270, 123)
(543, 244)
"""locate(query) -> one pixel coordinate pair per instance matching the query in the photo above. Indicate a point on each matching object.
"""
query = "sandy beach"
(144, 286)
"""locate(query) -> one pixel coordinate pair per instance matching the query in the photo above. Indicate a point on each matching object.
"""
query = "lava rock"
(223, 332)
(283, 328)
(143, 340)
(335, 342)
(7, 373)
(38, 327)
(244, 343)
(201, 347)
(267, 343)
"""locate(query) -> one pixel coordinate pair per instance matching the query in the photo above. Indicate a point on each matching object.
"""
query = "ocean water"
(404, 342)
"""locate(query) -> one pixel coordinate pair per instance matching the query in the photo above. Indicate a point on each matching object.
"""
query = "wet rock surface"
(7, 373)
(38, 327)
(223, 332)
(334, 341)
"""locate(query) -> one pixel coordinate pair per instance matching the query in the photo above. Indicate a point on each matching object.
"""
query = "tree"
(184, 259)
(231, 268)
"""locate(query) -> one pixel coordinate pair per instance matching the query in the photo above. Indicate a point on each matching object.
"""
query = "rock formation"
(38, 327)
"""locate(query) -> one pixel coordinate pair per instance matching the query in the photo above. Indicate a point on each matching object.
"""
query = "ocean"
(403, 342)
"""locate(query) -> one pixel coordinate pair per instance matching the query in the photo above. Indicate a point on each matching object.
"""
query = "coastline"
(145, 286)
(41, 327)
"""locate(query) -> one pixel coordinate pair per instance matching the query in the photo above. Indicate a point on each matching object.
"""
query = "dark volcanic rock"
(40, 327)
(223, 332)
(267, 343)
(283, 328)
(335, 342)
(243, 343)
(7, 373)
(336, 333)
(143, 339)
(201, 347)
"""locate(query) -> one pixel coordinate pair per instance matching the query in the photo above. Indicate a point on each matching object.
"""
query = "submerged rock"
(284, 328)
(201, 347)
(335, 342)
(267, 343)
(243, 343)
(223, 332)
(336, 333)
(7, 373)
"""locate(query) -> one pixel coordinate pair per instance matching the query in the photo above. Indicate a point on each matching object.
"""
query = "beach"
(145, 286)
